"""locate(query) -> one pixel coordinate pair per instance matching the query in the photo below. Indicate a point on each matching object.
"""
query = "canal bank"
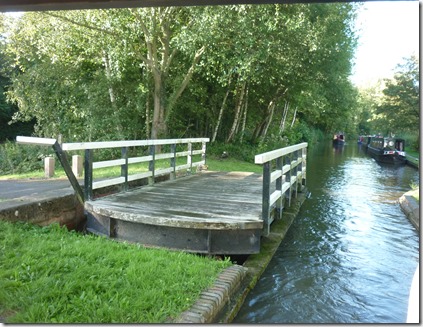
(411, 208)
(221, 303)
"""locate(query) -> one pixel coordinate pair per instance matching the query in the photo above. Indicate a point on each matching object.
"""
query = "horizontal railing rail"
(284, 171)
(125, 160)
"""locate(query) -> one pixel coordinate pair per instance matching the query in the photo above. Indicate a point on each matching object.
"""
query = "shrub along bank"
(52, 275)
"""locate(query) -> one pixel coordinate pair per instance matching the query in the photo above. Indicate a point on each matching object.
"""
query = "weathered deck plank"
(208, 200)
(209, 212)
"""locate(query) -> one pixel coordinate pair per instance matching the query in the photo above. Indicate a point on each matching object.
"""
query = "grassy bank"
(51, 275)
(227, 164)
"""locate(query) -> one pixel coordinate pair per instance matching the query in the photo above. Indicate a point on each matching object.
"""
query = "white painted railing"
(284, 172)
(125, 161)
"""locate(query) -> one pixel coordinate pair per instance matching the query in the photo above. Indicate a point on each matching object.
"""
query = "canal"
(351, 253)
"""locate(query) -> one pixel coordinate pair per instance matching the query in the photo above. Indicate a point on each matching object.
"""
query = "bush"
(17, 159)
(244, 152)
(299, 133)
(411, 141)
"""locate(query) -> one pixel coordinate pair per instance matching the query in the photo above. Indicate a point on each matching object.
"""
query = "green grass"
(413, 153)
(51, 275)
(228, 164)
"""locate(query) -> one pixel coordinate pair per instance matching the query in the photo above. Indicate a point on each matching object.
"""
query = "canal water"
(351, 253)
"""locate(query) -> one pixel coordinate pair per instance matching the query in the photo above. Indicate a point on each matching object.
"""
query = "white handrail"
(281, 178)
(120, 144)
(271, 155)
(35, 140)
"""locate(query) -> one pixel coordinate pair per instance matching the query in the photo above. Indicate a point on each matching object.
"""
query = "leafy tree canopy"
(400, 105)
(221, 71)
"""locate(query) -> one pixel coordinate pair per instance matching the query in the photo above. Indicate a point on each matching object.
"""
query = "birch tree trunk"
(293, 119)
(222, 108)
(237, 113)
(112, 96)
(270, 109)
(283, 119)
(244, 119)
(147, 119)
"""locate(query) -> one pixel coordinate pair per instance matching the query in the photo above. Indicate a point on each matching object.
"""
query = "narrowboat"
(364, 140)
(338, 139)
(387, 149)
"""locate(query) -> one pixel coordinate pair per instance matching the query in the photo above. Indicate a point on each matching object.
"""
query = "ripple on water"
(350, 255)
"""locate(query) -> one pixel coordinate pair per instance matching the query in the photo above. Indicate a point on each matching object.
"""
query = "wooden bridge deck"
(208, 212)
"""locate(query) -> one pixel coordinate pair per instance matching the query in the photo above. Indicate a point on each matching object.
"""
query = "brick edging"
(212, 301)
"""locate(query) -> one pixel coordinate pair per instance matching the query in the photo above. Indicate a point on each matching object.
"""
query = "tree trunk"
(270, 109)
(262, 127)
(293, 119)
(219, 118)
(237, 113)
(244, 119)
(178, 92)
(283, 119)
(147, 118)
(159, 127)
(112, 96)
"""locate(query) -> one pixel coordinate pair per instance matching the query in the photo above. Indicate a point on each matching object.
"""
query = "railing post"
(189, 157)
(61, 155)
(49, 164)
(266, 198)
(77, 164)
(300, 171)
(288, 177)
(151, 164)
(296, 172)
(173, 161)
(203, 152)
(279, 203)
(88, 174)
(304, 165)
(124, 168)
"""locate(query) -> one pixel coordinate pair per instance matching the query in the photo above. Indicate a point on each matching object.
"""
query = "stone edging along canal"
(411, 208)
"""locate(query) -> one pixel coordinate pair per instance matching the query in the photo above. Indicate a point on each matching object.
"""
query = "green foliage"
(101, 74)
(400, 107)
(51, 275)
(16, 158)
(301, 132)
(411, 141)
(8, 131)
(244, 152)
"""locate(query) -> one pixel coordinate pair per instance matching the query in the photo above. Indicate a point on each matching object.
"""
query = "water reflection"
(350, 255)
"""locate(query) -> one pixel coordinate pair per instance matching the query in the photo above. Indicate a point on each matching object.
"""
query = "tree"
(229, 72)
(400, 106)
(8, 130)
(109, 41)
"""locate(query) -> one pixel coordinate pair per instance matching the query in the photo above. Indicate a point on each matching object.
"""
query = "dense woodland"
(237, 74)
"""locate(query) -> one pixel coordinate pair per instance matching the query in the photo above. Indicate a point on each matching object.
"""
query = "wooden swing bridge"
(169, 199)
